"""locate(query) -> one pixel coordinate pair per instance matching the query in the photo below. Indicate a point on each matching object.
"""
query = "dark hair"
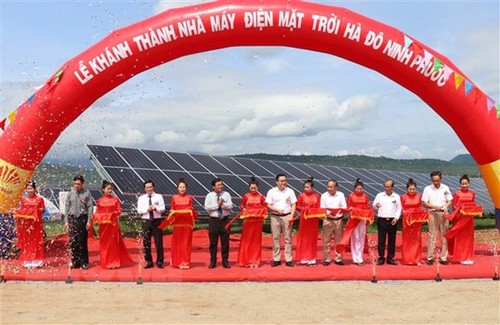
(181, 181)
(389, 180)
(411, 182)
(32, 184)
(148, 182)
(436, 173)
(216, 180)
(358, 182)
(334, 182)
(309, 181)
(280, 175)
(105, 184)
(79, 178)
(253, 181)
(466, 177)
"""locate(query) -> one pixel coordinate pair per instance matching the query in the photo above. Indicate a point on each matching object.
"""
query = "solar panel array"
(129, 168)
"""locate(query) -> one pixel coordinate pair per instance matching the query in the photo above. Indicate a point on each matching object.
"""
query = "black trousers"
(217, 229)
(150, 228)
(386, 230)
(78, 234)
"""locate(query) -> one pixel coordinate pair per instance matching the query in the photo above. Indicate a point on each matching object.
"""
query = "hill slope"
(383, 163)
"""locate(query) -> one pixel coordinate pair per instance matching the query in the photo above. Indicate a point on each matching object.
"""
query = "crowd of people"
(436, 206)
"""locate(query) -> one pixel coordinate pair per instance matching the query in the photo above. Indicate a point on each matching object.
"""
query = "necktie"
(219, 210)
(151, 214)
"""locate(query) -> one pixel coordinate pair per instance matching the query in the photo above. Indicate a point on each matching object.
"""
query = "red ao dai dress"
(113, 252)
(307, 237)
(254, 211)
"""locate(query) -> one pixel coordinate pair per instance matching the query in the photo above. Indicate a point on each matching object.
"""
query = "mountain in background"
(53, 174)
(465, 159)
(383, 163)
(61, 176)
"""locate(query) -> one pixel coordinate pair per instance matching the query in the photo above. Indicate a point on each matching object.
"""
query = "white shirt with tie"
(143, 205)
(211, 204)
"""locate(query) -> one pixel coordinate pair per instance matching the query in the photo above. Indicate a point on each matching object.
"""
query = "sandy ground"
(409, 302)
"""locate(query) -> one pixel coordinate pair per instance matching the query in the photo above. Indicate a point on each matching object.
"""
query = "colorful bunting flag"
(477, 95)
(427, 57)
(490, 102)
(468, 87)
(12, 116)
(408, 42)
(2, 124)
(458, 80)
(30, 100)
(58, 76)
(437, 64)
(417, 49)
(447, 71)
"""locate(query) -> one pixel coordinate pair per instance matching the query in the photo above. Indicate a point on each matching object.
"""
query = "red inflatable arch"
(183, 31)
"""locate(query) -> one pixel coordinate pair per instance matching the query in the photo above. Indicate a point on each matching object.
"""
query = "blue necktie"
(219, 210)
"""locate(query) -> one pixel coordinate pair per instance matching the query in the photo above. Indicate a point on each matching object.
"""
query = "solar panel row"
(129, 168)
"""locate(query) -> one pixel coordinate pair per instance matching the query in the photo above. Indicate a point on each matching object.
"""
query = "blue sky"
(227, 101)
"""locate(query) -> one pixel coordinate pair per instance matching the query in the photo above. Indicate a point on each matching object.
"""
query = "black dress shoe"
(148, 265)
(430, 261)
(275, 263)
(326, 263)
(381, 261)
(339, 262)
(85, 266)
(160, 265)
(392, 262)
(226, 265)
(444, 262)
(289, 264)
(211, 265)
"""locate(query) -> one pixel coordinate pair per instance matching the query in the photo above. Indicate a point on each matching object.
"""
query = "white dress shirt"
(336, 201)
(212, 206)
(437, 196)
(281, 200)
(390, 205)
(143, 206)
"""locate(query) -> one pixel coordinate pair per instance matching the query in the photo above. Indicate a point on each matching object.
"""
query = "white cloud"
(170, 136)
(405, 152)
(129, 136)
(370, 151)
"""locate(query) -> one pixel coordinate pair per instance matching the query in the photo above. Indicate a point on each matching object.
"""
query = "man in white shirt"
(388, 206)
(332, 225)
(150, 207)
(281, 201)
(437, 199)
(218, 205)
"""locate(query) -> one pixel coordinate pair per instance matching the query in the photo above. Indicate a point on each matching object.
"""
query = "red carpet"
(56, 268)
